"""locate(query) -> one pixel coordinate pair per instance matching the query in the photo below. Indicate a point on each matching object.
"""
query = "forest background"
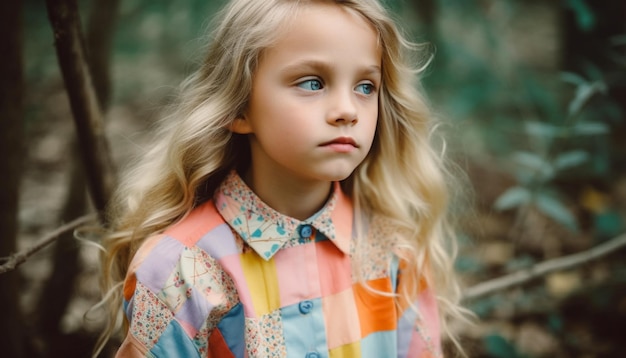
(533, 94)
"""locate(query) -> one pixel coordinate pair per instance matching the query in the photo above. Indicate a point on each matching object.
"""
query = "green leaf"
(537, 164)
(498, 347)
(618, 40)
(570, 159)
(590, 128)
(573, 78)
(583, 94)
(484, 306)
(608, 224)
(512, 198)
(555, 322)
(530, 160)
(554, 209)
(585, 18)
(540, 129)
(468, 264)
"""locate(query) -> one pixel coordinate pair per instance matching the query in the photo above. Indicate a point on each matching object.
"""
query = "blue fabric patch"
(406, 325)
(128, 308)
(304, 333)
(175, 343)
(379, 344)
(232, 327)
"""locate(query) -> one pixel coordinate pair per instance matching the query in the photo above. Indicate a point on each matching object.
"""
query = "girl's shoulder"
(196, 231)
(169, 274)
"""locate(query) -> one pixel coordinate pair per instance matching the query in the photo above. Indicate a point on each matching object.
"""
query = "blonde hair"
(403, 178)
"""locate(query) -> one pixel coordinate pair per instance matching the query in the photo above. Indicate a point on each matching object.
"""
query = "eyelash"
(372, 88)
(320, 84)
(310, 81)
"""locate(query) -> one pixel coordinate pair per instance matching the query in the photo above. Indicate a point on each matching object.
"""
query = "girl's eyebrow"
(321, 66)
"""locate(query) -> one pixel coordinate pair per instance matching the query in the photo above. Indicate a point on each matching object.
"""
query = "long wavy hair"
(403, 178)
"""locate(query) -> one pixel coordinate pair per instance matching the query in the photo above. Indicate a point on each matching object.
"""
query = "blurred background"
(533, 97)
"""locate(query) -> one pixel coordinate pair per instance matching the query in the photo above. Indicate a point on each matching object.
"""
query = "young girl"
(293, 206)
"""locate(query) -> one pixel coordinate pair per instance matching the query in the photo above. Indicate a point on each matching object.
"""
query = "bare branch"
(19, 258)
(544, 268)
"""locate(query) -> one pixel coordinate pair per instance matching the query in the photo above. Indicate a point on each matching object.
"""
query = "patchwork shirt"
(235, 278)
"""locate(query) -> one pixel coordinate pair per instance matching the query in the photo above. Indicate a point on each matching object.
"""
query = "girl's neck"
(287, 195)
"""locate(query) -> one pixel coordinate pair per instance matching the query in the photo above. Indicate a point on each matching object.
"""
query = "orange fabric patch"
(376, 312)
(129, 286)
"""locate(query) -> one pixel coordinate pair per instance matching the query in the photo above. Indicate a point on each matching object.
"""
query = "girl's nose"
(342, 110)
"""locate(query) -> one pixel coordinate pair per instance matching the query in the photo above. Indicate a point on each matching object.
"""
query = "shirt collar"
(267, 231)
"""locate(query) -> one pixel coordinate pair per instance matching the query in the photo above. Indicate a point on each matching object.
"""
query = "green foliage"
(498, 347)
(485, 306)
(552, 157)
(585, 18)
(608, 224)
(468, 265)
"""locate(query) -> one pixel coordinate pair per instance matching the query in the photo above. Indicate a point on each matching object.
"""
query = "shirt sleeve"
(174, 298)
(418, 326)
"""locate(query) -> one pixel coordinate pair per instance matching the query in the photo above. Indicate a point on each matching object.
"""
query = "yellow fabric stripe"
(262, 282)
(346, 351)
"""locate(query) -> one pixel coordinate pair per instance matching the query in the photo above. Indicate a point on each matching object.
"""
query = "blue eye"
(365, 88)
(311, 85)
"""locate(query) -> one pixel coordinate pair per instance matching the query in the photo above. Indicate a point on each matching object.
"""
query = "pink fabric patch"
(232, 266)
(335, 272)
(341, 318)
(188, 328)
(427, 304)
(298, 277)
(201, 220)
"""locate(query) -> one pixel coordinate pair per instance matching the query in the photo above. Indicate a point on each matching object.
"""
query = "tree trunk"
(11, 153)
(60, 287)
(100, 30)
(86, 111)
(58, 290)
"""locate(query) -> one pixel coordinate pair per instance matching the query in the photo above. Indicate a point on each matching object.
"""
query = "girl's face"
(314, 103)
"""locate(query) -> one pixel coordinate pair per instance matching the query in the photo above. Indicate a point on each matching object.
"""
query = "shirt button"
(306, 231)
(313, 355)
(305, 307)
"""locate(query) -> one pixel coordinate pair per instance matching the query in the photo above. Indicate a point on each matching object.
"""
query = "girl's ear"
(240, 125)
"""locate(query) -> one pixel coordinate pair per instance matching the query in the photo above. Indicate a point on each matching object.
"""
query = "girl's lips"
(341, 145)
(345, 141)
